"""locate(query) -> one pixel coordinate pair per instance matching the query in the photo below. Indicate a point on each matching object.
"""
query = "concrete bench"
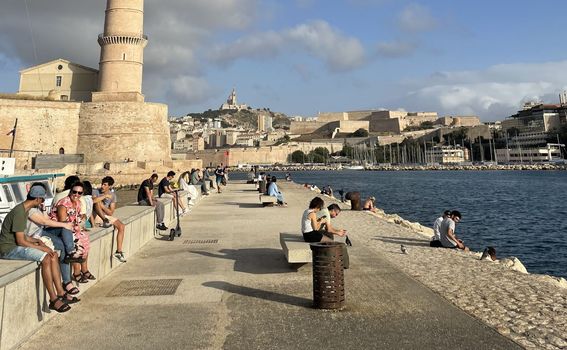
(295, 249)
(267, 201)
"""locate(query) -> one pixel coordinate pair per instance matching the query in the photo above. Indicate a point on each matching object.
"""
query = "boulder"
(514, 263)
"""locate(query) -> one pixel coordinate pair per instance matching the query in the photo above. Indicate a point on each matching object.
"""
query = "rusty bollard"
(328, 275)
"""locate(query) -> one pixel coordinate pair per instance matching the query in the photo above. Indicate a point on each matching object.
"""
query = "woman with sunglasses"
(68, 209)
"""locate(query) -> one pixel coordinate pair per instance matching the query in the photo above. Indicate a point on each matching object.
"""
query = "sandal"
(66, 300)
(72, 291)
(80, 278)
(64, 307)
(88, 275)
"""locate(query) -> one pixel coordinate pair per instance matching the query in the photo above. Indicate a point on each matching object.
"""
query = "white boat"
(354, 167)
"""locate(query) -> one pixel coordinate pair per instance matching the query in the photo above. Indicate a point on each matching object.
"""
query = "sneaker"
(106, 223)
(161, 227)
(120, 256)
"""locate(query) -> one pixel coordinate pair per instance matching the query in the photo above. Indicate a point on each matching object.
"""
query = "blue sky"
(304, 56)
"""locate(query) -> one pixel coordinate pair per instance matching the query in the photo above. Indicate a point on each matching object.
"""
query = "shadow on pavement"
(252, 260)
(245, 205)
(260, 294)
(404, 241)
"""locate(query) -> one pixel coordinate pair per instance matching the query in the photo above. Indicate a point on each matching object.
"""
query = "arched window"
(61, 150)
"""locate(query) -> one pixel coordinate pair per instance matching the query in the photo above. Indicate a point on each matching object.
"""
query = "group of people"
(271, 188)
(29, 233)
(444, 235)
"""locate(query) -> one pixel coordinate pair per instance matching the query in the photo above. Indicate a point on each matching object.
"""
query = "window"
(58, 80)
(123, 57)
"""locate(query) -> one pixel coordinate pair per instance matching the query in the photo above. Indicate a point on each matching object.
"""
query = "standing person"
(225, 174)
(435, 240)
(448, 237)
(16, 245)
(68, 209)
(165, 191)
(104, 201)
(146, 197)
(219, 174)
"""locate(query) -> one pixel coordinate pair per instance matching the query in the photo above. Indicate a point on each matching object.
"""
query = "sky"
(301, 57)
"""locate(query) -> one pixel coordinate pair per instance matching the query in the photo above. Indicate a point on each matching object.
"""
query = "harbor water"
(520, 213)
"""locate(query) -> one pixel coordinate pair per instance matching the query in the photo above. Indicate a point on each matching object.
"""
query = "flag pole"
(13, 137)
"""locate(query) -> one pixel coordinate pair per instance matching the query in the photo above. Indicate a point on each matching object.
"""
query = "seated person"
(448, 237)
(287, 177)
(16, 245)
(104, 201)
(369, 204)
(165, 191)
(331, 212)
(327, 190)
(208, 177)
(196, 181)
(146, 197)
(311, 227)
(275, 192)
(435, 240)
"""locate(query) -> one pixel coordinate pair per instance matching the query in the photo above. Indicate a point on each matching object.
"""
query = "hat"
(37, 192)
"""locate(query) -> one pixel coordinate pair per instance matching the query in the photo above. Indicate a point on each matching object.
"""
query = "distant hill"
(246, 118)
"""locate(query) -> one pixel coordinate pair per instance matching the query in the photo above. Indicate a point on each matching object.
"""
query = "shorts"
(166, 195)
(25, 253)
(313, 236)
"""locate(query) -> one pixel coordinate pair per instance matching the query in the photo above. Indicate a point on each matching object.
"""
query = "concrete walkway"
(239, 293)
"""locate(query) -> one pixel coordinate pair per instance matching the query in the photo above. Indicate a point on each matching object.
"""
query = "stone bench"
(267, 201)
(23, 299)
(295, 249)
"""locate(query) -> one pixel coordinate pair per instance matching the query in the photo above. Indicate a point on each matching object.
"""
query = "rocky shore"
(530, 309)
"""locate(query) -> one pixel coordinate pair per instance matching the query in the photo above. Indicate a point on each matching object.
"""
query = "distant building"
(231, 103)
(198, 143)
(446, 154)
(217, 139)
(518, 154)
(540, 118)
(264, 123)
(563, 98)
(458, 121)
(60, 79)
(398, 121)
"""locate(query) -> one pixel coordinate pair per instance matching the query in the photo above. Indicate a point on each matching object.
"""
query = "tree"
(298, 157)
(360, 133)
(316, 157)
(322, 151)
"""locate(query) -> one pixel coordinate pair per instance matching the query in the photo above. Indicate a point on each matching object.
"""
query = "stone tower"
(121, 52)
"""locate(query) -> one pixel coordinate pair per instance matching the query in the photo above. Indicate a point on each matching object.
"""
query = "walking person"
(219, 175)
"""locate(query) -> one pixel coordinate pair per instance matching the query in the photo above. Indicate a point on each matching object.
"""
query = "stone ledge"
(295, 249)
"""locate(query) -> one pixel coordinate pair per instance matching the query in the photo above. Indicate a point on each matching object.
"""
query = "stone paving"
(529, 309)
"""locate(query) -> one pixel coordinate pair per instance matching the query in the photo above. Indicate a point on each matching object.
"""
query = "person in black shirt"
(146, 197)
(165, 191)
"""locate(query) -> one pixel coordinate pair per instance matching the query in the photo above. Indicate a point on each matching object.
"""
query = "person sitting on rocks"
(146, 197)
(16, 245)
(369, 204)
(435, 240)
(448, 237)
(274, 191)
(327, 190)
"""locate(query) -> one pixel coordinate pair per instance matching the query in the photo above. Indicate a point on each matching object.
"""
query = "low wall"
(23, 298)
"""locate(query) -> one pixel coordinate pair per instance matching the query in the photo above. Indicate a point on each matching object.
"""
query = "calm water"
(521, 214)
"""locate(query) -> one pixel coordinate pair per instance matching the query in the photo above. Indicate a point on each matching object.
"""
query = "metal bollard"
(355, 201)
(328, 275)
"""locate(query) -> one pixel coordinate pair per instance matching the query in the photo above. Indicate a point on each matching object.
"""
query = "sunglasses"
(77, 192)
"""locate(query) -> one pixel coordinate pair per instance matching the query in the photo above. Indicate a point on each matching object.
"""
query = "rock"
(514, 263)
(559, 282)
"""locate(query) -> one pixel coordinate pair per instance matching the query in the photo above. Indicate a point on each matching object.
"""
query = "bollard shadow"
(260, 294)
(252, 260)
(245, 205)
(402, 240)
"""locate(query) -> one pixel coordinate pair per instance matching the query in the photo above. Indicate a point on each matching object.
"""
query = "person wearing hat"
(16, 245)
(369, 204)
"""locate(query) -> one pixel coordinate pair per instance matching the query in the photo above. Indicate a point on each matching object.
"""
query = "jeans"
(56, 237)
(65, 235)
(159, 209)
(25, 253)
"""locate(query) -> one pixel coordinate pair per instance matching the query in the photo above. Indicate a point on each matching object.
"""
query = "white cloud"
(189, 90)
(416, 18)
(493, 93)
(338, 51)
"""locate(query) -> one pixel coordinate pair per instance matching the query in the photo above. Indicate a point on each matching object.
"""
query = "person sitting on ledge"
(165, 191)
(369, 204)
(16, 245)
(104, 201)
(448, 237)
(274, 191)
(196, 180)
(146, 197)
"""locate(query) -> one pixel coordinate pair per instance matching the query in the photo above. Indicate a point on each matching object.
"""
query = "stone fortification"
(300, 128)
(43, 127)
(114, 131)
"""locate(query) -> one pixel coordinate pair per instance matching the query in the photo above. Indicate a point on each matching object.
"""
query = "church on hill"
(231, 103)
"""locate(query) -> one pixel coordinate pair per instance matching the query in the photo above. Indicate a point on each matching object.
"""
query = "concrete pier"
(225, 284)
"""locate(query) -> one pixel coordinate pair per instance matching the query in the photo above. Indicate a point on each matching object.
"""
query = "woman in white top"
(311, 226)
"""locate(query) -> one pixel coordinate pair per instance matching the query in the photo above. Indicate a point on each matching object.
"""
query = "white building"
(447, 154)
(517, 154)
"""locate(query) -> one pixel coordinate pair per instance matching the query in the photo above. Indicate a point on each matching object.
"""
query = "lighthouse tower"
(121, 52)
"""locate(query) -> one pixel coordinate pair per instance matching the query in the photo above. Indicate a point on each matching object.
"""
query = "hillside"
(246, 118)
